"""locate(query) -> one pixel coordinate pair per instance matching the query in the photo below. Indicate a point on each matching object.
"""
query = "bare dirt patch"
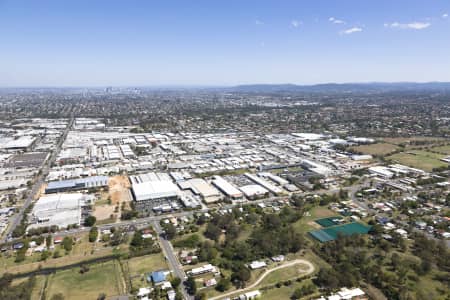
(118, 193)
(103, 212)
(119, 189)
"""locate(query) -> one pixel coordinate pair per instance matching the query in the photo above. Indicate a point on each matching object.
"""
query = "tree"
(137, 239)
(90, 221)
(213, 232)
(223, 285)
(171, 231)
(58, 296)
(241, 275)
(191, 285)
(48, 240)
(201, 296)
(102, 296)
(44, 255)
(271, 221)
(175, 282)
(56, 254)
(93, 234)
(327, 278)
(307, 289)
(84, 269)
(67, 243)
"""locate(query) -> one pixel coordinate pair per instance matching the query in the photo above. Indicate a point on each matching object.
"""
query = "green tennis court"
(331, 233)
(328, 222)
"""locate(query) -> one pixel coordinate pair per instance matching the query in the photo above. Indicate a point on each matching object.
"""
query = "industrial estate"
(317, 199)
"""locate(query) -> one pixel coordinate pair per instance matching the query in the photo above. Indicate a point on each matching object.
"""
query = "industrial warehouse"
(153, 189)
(76, 184)
(60, 210)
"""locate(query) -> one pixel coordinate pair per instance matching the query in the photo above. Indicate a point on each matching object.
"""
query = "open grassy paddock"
(101, 278)
(444, 150)
(419, 159)
(285, 292)
(376, 149)
(137, 267)
(287, 273)
(81, 251)
(407, 140)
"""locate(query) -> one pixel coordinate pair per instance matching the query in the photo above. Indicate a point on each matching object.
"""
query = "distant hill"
(343, 88)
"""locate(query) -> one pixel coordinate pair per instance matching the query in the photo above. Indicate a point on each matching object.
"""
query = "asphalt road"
(17, 218)
(150, 219)
(172, 259)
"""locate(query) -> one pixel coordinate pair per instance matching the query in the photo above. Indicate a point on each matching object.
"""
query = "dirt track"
(267, 272)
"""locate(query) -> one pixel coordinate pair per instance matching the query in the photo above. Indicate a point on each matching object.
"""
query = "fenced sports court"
(331, 233)
(330, 221)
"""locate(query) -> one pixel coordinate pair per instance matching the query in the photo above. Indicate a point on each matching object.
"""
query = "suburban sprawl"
(251, 192)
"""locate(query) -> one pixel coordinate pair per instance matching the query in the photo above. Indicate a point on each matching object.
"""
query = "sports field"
(328, 222)
(331, 233)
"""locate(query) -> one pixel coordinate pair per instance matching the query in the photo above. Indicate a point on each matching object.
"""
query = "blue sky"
(211, 42)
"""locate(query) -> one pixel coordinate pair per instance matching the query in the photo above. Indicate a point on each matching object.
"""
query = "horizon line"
(165, 86)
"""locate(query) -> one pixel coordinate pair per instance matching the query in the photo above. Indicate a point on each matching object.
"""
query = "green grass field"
(419, 159)
(147, 263)
(38, 287)
(101, 278)
(284, 292)
(307, 222)
(139, 266)
(407, 140)
(445, 150)
(376, 149)
(284, 274)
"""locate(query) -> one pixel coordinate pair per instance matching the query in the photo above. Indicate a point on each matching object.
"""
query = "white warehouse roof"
(226, 187)
(253, 190)
(155, 189)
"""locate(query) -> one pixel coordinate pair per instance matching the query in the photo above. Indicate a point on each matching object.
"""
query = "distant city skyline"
(226, 43)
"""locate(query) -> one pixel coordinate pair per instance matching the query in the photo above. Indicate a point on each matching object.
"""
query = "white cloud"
(351, 30)
(259, 22)
(336, 21)
(445, 16)
(413, 25)
(295, 23)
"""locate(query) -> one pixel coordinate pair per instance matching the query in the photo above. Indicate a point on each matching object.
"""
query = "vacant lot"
(139, 266)
(118, 193)
(101, 278)
(118, 189)
(419, 159)
(376, 149)
(148, 263)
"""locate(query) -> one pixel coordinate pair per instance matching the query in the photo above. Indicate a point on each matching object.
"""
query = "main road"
(156, 218)
(17, 218)
(172, 259)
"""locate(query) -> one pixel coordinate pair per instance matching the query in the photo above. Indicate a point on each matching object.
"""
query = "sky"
(222, 42)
